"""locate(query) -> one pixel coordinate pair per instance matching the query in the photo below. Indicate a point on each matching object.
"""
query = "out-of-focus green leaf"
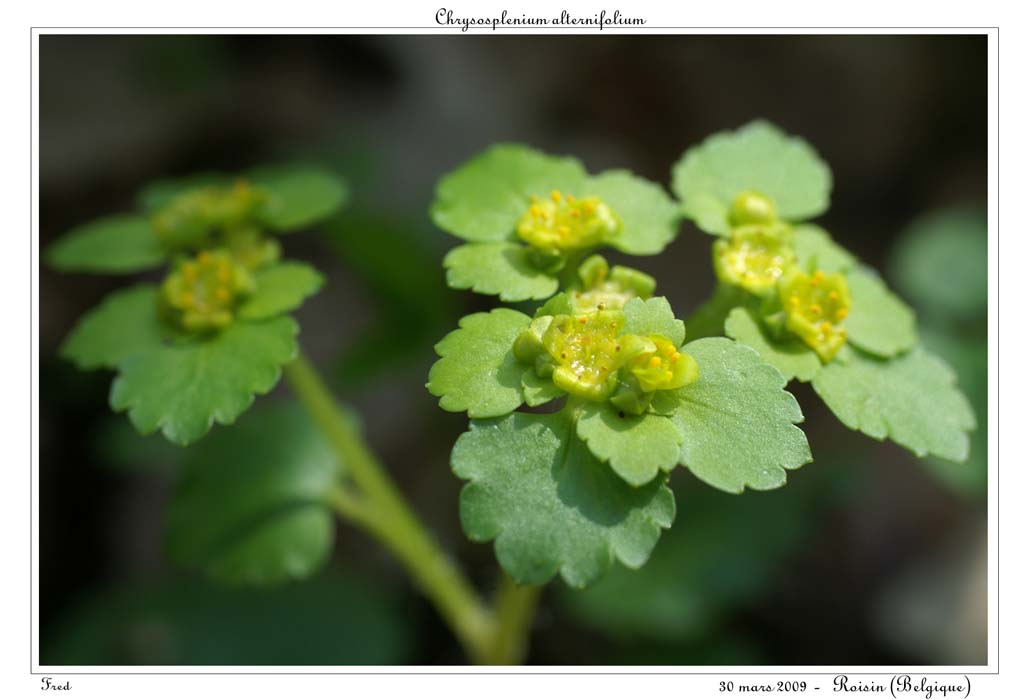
(126, 322)
(281, 288)
(816, 250)
(299, 196)
(119, 244)
(251, 504)
(412, 308)
(940, 263)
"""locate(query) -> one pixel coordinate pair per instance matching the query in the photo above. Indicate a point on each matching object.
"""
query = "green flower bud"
(251, 248)
(564, 223)
(815, 308)
(529, 343)
(630, 398)
(203, 292)
(752, 208)
(603, 287)
(755, 256)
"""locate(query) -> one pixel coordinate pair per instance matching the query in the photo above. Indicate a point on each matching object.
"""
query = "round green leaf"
(125, 323)
(477, 371)
(281, 288)
(816, 250)
(737, 422)
(298, 196)
(484, 198)
(184, 389)
(550, 505)
(758, 157)
(251, 503)
(911, 399)
(653, 317)
(637, 447)
(649, 217)
(118, 244)
(879, 322)
(501, 268)
(790, 356)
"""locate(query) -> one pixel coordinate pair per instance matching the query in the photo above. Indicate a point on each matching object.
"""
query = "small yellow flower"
(585, 352)
(755, 256)
(562, 223)
(815, 308)
(658, 365)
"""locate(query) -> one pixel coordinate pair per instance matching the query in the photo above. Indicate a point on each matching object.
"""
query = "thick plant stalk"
(515, 608)
(380, 509)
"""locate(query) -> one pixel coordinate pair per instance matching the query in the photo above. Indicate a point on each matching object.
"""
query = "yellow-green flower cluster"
(816, 306)
(562, 223)
(758, 256)
(191, 220)
(221, 223)
(203, 292)
(586, 355)
(759, 249)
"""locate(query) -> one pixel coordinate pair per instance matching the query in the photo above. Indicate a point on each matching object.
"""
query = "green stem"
(515, 609)
(382, 511)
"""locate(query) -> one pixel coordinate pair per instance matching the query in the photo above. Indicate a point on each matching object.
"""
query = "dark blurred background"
(868, 556)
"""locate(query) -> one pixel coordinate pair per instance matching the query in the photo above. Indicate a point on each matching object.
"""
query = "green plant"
(579, 409)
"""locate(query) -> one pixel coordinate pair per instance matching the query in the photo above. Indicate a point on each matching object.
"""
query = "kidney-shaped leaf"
(550, 505)
(736, 420)
(184, 389)
(757, 157)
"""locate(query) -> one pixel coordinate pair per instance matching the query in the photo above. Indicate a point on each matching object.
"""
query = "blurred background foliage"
(868, 556)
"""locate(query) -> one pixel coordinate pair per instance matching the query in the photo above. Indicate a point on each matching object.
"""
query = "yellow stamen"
(556, 196)
(654, 363)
